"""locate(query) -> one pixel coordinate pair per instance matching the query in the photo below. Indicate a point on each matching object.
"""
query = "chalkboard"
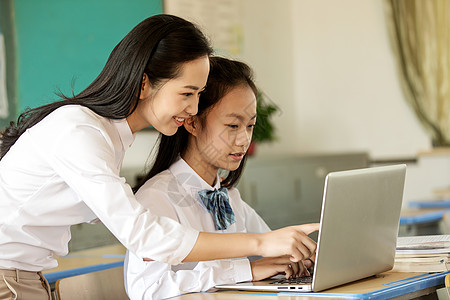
(65, 43)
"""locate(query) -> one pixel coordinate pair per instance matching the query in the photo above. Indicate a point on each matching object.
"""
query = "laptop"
(358, 230)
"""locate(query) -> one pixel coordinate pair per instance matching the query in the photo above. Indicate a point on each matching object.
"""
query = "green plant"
(264, 130)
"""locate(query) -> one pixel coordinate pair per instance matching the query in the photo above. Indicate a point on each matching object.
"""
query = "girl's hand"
(292, 241)
(269, 266)
(301, 268)
(309, 265)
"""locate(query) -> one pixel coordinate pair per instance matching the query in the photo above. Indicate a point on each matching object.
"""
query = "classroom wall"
(61, 43)
(329, 66)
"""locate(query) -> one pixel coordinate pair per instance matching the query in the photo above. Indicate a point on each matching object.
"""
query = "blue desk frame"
(55, 276)
(428, 217)
(430, 204)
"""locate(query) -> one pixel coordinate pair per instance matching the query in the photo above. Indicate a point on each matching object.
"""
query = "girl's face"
(167, 106)
(226, 135)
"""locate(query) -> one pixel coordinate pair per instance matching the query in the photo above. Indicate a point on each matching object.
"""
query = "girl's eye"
(251, 125)
(233, 126)
(187, 94)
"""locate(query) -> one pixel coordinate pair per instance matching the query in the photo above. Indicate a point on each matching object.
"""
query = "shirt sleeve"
(155, 280)
(85, 158)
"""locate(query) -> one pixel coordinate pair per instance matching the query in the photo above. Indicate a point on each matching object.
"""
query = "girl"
(60, 163)
(184, 185)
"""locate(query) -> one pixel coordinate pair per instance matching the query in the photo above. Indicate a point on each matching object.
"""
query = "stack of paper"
(430, 253)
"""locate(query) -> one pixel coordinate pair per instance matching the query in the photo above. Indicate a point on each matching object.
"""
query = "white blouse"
(65, 171)
(174, 193)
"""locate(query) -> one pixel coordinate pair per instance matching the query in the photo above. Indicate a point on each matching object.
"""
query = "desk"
(85, 261)
(389, 285)
(444, 203)
(421, 221)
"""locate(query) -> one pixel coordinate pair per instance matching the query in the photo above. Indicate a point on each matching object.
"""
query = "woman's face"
(167, 106)
(226, 135)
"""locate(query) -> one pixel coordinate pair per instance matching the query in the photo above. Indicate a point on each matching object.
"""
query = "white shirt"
(174, 193)
(65, 171)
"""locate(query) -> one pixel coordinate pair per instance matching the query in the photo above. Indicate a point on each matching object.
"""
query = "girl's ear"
(191, 124)
(144, 81)
(145, 88)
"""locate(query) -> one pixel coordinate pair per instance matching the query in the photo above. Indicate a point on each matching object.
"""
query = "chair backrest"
(106, 284)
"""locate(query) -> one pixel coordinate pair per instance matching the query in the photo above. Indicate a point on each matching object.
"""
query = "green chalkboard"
(65, 43)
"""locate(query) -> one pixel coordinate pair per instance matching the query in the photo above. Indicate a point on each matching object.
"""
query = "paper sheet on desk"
(426, 244)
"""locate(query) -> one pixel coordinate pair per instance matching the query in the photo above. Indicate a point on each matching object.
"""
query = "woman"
(60, 163)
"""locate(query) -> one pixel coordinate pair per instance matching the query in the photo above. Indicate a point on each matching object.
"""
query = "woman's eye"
(187, 94)
(251, 125)
(233, 126)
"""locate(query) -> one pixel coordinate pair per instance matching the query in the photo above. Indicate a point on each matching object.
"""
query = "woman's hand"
(292, 241)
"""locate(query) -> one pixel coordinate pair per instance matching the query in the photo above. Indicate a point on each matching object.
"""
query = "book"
(431, 263)
(425, 244)
(422, 254)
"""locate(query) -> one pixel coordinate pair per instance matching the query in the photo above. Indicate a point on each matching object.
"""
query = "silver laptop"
(358, 230)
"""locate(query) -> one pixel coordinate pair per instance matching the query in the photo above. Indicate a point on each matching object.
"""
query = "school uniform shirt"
(65, 171)
(174, 193)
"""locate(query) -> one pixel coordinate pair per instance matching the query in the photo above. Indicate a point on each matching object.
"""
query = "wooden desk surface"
(383, 286)
(411, 212)
(89, 257)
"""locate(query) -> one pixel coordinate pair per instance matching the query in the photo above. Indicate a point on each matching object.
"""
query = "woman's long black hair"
(224, 75)
(157, 46)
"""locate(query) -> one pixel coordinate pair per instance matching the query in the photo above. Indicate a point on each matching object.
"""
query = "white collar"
(189, 179)
(124, 130)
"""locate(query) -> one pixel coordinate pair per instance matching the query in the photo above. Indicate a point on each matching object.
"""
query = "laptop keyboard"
(298, 280)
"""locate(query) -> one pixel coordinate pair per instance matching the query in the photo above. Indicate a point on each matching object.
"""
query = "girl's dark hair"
(224, 75)
(157, 46)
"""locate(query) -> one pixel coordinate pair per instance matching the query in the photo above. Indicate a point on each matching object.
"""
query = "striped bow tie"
(216, 202)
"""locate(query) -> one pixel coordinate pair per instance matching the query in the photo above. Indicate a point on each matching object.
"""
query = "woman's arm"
(292, 241)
